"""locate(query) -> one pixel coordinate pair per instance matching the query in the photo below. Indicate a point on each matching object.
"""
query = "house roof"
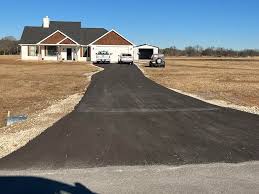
(89, 35)
(84, 36)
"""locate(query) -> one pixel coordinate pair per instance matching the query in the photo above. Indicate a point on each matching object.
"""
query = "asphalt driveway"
(127, 119)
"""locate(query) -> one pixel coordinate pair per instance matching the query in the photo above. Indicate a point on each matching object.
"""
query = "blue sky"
(221, 23)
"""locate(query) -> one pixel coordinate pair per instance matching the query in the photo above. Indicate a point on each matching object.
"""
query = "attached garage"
(145, 51)
(114, 51)
(113, 43)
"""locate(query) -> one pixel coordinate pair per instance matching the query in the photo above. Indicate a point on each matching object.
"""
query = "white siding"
(24, 54)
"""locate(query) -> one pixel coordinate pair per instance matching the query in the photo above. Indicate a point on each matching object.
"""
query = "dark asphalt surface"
(127, 119)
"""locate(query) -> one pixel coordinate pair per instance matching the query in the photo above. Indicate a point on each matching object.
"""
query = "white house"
(68, 41)
(145, 51)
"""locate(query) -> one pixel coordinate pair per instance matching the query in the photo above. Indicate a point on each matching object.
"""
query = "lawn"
(28, 87)
(234, 81)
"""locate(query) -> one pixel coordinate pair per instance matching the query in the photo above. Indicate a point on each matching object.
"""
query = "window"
(85, 52)
(32, 51)
(51, 50)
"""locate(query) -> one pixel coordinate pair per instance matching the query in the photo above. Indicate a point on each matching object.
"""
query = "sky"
(164, 23)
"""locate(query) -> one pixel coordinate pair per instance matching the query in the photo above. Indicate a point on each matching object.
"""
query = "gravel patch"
(16, 136)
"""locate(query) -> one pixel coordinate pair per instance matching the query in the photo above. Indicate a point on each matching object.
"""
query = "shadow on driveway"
(36, 185)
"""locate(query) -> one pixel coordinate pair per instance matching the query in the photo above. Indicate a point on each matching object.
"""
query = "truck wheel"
(159, 61)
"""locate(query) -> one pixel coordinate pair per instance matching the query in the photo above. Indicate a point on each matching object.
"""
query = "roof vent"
(46, 22)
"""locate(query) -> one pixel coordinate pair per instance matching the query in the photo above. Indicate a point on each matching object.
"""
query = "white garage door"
(115, 51)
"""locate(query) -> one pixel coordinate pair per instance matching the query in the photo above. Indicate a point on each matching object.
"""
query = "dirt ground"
(28, 87)
(235, 81)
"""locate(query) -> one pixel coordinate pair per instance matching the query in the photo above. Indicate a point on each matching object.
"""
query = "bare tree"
(9, 46)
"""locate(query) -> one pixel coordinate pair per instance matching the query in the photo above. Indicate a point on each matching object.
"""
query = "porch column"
(39, 52)
(76, 54)
(42, 52)
(59, 53)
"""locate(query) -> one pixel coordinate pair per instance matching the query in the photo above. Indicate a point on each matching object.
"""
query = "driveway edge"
(220, 103)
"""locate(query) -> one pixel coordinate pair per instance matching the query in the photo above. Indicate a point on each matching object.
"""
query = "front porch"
(55, 52)
(59, 53)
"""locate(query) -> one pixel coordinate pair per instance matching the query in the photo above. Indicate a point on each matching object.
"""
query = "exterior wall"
(136, 50)
(50, 58)
(24, 54)
(115, 51)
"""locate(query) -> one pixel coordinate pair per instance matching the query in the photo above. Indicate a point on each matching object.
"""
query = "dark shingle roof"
(84, 36)
(88, 35)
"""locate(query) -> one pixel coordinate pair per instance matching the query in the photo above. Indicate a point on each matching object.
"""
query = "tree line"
(198, 51)
(9, 46)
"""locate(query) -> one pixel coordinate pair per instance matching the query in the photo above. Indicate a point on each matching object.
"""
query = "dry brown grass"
(27, 87)
(235, 81)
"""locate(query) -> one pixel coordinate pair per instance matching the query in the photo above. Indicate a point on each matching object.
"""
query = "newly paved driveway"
(126, 119)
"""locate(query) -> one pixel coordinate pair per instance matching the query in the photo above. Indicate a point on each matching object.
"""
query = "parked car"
(125, 58)
(103, 57)
(157, 60)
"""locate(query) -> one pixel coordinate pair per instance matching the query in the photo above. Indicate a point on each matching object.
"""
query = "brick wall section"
(112, 38)
(54, 39)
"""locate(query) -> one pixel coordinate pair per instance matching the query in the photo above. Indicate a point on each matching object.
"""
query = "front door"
(69, 54)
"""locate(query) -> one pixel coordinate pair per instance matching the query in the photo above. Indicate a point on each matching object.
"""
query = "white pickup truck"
(103, 57)
(125, 58)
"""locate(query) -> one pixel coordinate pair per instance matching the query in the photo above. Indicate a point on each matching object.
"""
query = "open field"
(28, 87)
(233, 80)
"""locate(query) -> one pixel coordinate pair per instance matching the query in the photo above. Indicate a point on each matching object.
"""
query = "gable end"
(54, 39)
(112, 38)
(67, 41)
